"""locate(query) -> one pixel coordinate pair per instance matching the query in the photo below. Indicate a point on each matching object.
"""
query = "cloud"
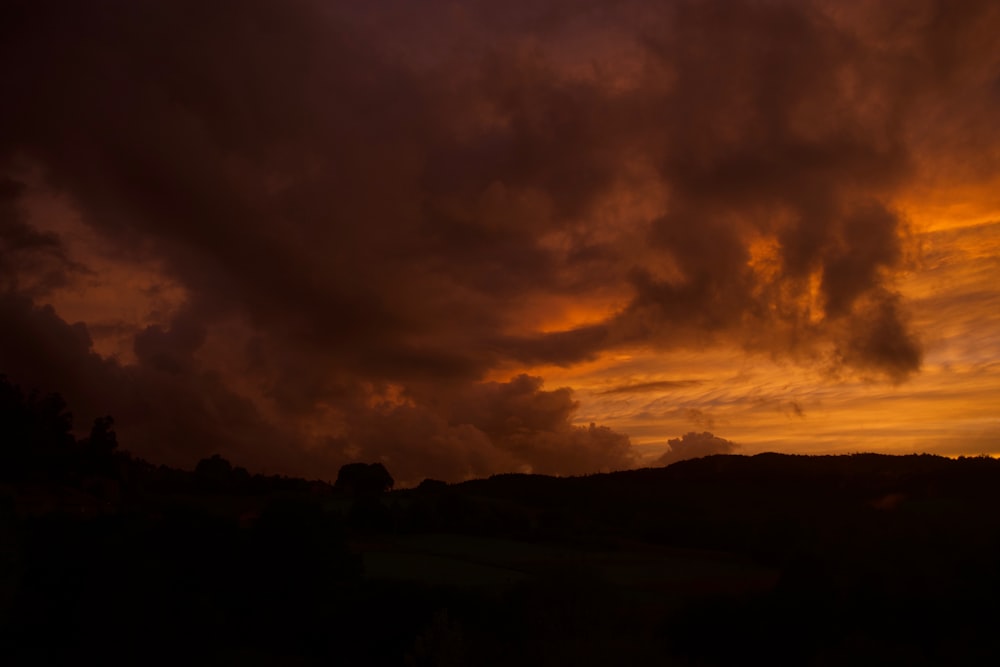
(32, 261)
(882, 341)
(656, 386)
(357, 198)
(169, 409)
(534, 426)
(169, 413)
(695, 445)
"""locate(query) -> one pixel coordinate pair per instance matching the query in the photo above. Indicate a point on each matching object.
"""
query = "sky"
(464, 238)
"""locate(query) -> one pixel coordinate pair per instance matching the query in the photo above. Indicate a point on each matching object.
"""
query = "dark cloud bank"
(362, 204)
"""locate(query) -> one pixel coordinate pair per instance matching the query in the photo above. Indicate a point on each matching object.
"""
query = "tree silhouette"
(215, 474)
(364, 479)
(102, 441)
(215, 467)
(37, 429)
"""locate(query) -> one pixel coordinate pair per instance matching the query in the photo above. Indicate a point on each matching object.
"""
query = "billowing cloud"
(366, 211)
(695, 445)
(489, 426)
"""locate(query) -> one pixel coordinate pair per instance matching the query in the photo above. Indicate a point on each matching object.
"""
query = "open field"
(472, 561)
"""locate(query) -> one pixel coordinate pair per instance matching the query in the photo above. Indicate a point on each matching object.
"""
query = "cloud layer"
(367, 211)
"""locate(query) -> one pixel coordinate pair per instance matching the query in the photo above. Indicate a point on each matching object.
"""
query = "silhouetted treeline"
(794, 560)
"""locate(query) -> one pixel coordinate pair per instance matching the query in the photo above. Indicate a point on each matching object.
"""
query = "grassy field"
(471, 561)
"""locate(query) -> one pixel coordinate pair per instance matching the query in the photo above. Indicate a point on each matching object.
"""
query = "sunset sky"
(464, 238)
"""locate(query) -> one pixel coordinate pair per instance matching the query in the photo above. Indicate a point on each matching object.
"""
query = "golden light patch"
(547, 313)
(574, 316)
(764, 259)
(815, 307)
(953, 206)
(387, 396)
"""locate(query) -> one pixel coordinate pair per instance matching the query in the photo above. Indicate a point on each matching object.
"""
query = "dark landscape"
(800, 560)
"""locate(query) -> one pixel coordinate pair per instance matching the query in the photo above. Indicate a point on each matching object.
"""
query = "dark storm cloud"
(562, 348)
(171, 349)
(760, 136)
(164, 410)
(486, 427)
(377, 196)
(533, 426)
(31, 261)
(881, 341)
(37, 346)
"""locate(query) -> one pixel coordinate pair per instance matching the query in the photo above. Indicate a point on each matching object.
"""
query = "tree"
(364, 479)
(35, 432)
(216, 468)
(214, 474)
(103, 441)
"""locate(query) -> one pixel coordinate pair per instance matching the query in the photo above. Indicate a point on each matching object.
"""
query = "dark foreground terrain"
(725, 560)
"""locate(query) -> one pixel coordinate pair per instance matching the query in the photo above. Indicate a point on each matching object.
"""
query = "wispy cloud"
(648, 387)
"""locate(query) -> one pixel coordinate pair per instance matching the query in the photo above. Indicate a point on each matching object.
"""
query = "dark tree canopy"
(36, 429)
(364, 479)
(215, 467)
(102, 441)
